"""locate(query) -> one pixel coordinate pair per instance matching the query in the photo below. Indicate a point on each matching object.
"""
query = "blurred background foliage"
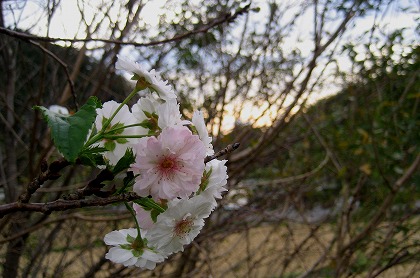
(322, 95)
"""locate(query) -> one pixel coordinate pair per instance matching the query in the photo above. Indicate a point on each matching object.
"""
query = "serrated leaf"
(69, 133)
(122, 141)
(94, 150)
(92, 156)
(148, 203)
(110, 145)
(205, 180)
(154, 214)
(128, 182)
(148, 124)
(92, 159)
(124, 162)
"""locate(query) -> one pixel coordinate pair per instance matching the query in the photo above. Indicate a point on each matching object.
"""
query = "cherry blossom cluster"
(179, 190)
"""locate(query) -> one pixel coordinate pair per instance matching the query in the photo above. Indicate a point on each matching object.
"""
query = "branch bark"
(61, 204)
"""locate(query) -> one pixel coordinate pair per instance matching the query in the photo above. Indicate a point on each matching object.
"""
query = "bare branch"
(50, 173)
(64, 217)
(230, 148)
(61, 205)
(225, 18)
(385, 205)
(297, 177)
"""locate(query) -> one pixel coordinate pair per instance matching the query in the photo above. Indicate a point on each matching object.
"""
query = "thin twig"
(297, 177)
(65, 217)
(375, 220)
(230, 148)
(47, 173)
(227, 17)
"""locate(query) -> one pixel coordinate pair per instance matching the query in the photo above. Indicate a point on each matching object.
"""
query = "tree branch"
(375, 220)
(47, 173)
(227, 17)
(65, 217)
(230, 148)
(61, 204)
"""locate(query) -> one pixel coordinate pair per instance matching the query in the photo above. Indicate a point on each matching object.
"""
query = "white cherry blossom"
(200, 126)
(216, 180)
(127, 251)
(117, 148)
(179, 224)
(152, 78)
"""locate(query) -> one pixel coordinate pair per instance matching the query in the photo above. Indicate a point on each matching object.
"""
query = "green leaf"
(205, 180)
(92, 159)
(154, 214)
(93, 150)
(69, 133)
(110, 145)
(92, 156)
(116, 129)
(137, 253)
(124, 162)
(130, 239)
(149, 203)
(122, 141)
(148, 114)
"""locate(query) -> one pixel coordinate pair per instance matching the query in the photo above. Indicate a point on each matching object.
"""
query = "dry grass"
(266, 251)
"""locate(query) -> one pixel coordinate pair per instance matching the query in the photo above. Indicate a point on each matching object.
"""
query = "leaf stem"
(150, 203)
(133, 213)
(126, 100)
(98, 136)
(124, 127)
(112, 137)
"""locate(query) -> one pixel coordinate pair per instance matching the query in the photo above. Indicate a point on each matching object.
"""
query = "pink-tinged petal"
(143, 217)
(170, 165)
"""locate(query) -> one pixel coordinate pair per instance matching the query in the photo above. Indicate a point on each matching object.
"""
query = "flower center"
(168, 166)
(137, 245)
(167, 163)
(183, 227)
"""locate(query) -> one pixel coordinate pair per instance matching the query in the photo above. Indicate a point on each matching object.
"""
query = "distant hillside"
(371, 129)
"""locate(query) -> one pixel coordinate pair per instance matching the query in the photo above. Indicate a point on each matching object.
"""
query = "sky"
(66, 23)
